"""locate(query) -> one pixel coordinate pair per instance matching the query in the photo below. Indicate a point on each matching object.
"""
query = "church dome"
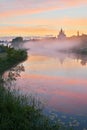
(61, 35)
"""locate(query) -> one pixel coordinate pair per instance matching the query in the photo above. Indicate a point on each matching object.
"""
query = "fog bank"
(49, 47)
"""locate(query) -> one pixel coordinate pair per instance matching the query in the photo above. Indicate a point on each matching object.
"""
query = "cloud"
(17, 7)
(16, 16)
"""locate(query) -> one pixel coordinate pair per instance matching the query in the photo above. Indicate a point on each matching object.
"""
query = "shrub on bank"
(13, 57)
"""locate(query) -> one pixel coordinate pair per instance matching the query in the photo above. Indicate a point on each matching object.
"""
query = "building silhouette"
(78, 34)
(61, 35)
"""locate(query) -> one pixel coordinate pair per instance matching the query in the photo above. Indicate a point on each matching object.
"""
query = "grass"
(19, 112)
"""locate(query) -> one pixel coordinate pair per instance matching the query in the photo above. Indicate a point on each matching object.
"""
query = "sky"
(42, 17)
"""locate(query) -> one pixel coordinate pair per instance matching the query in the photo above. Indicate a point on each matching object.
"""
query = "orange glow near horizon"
(31, 18)
(27, 31)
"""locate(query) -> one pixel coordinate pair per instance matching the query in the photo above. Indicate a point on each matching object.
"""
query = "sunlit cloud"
(16, 8)
(19, 17)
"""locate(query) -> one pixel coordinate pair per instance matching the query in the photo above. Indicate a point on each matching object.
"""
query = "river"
(59, 80)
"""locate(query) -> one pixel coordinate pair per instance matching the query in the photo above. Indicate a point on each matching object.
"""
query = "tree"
(17, 42)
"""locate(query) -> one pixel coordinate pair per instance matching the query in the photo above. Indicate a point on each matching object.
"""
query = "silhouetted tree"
(16, 42)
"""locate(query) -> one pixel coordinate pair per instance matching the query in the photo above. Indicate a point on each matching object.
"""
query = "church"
(61, 35)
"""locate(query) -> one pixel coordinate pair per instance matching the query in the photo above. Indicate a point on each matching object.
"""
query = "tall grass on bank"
(18, 112)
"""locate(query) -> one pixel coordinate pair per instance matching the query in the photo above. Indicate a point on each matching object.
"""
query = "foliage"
(82, 47)
(13, 57)
(17, 42)
(2, 49)
(17, 39)
(17, 114)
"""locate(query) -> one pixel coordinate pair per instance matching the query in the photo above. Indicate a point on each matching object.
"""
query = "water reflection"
(82, 58)
(63, 86)
(11, 76)
(61, 83)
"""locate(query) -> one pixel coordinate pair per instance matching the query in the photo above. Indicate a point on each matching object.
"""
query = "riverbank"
(19, 112)
(10, 58)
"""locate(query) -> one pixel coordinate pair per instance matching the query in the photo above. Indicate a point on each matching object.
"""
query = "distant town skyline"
(38, 17)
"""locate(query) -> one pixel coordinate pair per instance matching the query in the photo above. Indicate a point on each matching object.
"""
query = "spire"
(78, 33)
(61, 30)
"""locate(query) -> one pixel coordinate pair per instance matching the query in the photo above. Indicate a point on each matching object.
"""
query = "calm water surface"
(61, 83)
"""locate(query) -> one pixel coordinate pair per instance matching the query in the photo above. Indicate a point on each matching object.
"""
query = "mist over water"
(49, 47)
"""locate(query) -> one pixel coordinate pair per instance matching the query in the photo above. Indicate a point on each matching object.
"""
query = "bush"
(12, 59)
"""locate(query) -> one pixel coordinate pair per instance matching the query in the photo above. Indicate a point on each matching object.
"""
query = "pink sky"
(27, 17)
